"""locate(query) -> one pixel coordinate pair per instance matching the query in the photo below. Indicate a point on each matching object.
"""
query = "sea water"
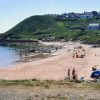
(8, 56)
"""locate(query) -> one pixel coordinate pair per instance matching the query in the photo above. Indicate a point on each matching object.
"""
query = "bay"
(8, 56)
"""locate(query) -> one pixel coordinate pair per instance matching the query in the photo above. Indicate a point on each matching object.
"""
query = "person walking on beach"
(20, 55)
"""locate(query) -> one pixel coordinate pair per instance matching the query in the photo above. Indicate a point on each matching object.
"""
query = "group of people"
(79, 53)
(72, 75)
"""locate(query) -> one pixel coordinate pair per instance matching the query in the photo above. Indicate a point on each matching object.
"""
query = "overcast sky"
(14, 11)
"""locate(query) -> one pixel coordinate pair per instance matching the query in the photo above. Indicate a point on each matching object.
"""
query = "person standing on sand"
(77, 55)
(74, 75)
(73, 55)
(94, 68)
(68, 74)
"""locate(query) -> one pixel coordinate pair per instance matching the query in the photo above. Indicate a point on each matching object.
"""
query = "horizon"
(15, 11)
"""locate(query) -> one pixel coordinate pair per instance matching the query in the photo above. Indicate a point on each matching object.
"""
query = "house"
(65, 15)
(69, 15)
(74, 15)
(83, 16)
(94, 26)
(88, 14)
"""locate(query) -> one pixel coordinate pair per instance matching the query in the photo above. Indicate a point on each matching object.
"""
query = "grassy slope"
(40, 27)
(49, 90)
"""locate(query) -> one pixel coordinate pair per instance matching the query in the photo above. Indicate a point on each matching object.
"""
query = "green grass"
(35, 82)
(48, 83)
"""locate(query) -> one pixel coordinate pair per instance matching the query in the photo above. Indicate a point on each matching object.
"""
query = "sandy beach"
(56, 66)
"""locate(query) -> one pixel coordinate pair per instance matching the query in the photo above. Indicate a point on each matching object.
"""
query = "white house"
(94, 26)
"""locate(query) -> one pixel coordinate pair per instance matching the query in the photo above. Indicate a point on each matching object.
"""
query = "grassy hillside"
(50, 27)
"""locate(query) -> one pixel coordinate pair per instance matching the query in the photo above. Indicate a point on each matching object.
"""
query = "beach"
(56, 66)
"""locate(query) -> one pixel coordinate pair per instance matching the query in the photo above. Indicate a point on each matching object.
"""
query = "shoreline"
(55, 67)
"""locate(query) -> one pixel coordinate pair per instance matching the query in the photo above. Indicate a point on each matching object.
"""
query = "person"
(73, 74)
(56, 48)
(73, 55)
(69, 74)
(77, 55)
(94, 68)
(20, 55)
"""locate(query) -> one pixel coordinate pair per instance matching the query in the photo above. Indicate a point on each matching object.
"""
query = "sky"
(14, 11)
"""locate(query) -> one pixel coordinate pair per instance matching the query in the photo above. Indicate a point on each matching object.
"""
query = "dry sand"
(55, 67)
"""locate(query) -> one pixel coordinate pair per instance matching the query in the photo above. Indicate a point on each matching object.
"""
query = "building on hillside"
(65, 15)
(94, 26)
(86, 15)
(74, 15)
(83, 16)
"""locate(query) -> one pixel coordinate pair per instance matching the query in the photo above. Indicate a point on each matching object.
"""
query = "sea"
(8, 55)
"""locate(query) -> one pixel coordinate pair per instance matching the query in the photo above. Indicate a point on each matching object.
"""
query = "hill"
(54, 28)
